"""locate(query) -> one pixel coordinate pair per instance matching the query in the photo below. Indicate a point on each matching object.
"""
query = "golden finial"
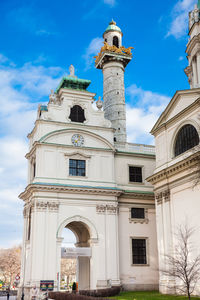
(112, 22)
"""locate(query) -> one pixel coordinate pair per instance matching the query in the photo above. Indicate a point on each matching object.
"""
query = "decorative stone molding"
(43, 187)
(188, 162)
(100, 209)
(77, 153)
(53, 206)
(140, 221)
(43, 205)
(159, 198)
(54, 98)
(164, 195)
(110, 209)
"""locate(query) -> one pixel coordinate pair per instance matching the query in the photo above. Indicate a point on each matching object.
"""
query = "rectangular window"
(135, 174)
(137, 213)
(139, 251)
(76, 167)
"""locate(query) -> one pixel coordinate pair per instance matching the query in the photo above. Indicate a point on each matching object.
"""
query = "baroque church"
(122, 201)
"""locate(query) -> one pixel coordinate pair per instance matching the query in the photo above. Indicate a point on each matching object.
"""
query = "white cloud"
(110, 2)
(21, 89)
(146, 110)
(92, 50)
(179, 24)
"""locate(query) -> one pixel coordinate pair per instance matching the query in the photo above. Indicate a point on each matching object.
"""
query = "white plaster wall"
(122, 163)
(138, 277)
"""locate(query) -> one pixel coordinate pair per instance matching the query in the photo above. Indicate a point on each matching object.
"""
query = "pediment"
(181, 101)
(90, 139)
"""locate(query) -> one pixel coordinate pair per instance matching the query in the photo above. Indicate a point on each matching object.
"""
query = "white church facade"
(120, 200)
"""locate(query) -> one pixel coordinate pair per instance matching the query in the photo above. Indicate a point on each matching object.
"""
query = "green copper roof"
(198, 4)
(73, 83)
(112, 27)
(43, 108)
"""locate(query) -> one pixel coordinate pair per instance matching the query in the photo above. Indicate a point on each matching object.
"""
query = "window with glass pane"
(77, 114)
(135, 174)
(76, 167)
(187, 138)
(139, 251)
(137, 213)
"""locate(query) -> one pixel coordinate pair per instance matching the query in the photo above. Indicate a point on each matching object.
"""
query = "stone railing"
(140, 148)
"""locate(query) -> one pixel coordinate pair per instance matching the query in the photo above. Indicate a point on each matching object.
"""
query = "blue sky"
(40, 39)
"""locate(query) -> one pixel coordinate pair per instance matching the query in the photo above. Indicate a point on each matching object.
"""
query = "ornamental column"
(198, 68)
(113, 59)
(194, 71)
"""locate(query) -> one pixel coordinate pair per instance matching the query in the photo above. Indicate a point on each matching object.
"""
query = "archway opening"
(75, 256)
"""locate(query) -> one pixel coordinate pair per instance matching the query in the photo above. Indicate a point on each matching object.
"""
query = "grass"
(151, 295)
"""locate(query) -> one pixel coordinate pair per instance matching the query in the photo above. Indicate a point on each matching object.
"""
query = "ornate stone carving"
(99, 103)
(166, 195)
(41, 205)
(71, 71)
(53, 206)
(121, 50)
(54, 98)
(111, 209)
(159, 198)
(100, 209)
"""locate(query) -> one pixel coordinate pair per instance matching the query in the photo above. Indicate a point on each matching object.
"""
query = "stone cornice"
(137, 195)
(135, 154)
(47, 187)
(195, 40)
(180, 166)
(157, 127)
(50, 187)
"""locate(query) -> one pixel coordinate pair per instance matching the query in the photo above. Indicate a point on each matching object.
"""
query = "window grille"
(77, 114)
(139, 251)
(187, 138)
(76, 167)
(137, 213)
(135, 174)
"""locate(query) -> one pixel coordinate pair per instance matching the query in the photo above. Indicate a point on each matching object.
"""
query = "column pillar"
(198, 68)
(194, 71)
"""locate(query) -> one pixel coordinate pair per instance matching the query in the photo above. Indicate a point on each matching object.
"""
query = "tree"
(182, 266)
(68, 267)
(10, 262)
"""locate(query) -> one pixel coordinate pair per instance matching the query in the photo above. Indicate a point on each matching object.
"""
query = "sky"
(40, 39)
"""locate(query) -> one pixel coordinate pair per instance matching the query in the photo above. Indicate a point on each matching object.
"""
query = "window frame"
(142, 172)
(147, 264)
(176, 134)
(77, 155)
(82, 109)
(144, 220)
(77, 168)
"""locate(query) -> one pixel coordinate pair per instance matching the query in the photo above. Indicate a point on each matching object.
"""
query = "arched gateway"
(86, 235)
(79, 167)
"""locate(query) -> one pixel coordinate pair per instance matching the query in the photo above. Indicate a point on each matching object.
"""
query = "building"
(176, 178)
(83, 175)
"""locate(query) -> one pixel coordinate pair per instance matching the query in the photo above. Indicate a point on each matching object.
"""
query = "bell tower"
(193, 48)
(112, 59)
